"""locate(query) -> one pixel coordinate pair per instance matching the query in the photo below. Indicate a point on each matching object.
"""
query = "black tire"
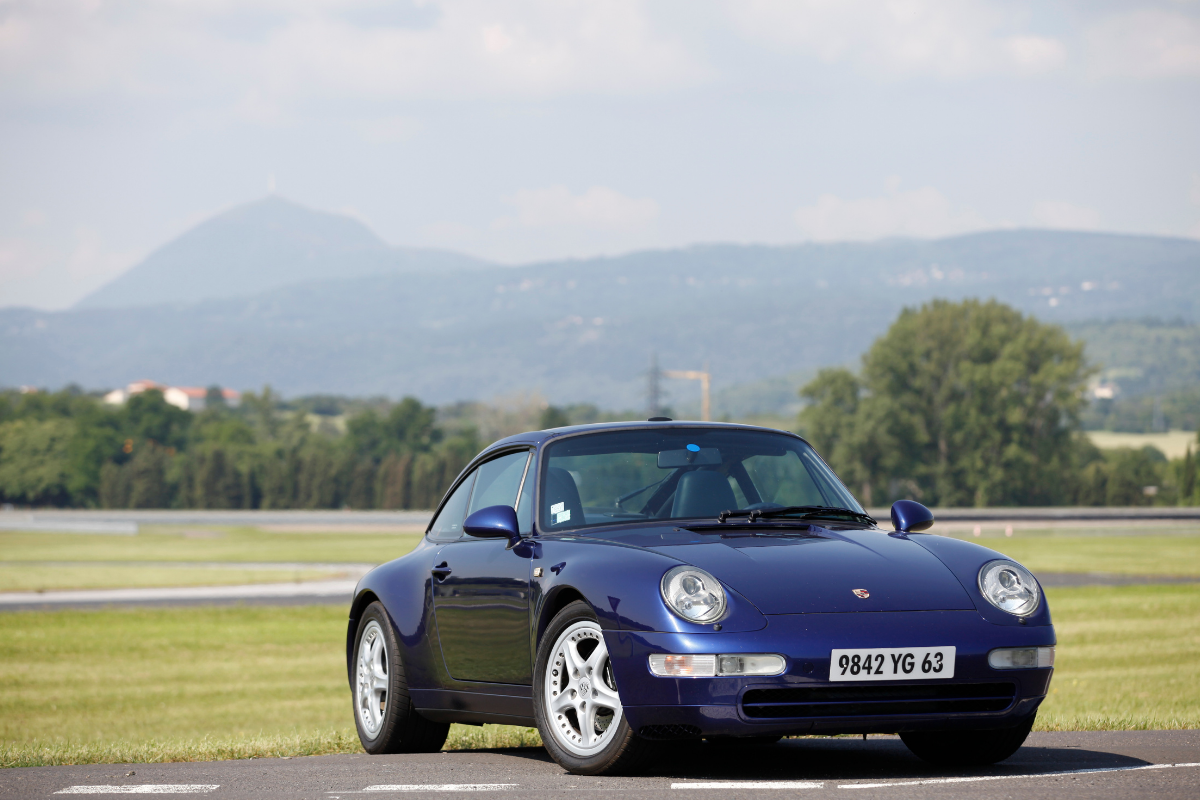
(624, 752)
(392, 724)
(967, 748)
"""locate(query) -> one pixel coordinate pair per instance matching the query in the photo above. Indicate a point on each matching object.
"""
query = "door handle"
(441, 571)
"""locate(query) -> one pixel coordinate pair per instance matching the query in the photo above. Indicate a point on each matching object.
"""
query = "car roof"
(539, 437)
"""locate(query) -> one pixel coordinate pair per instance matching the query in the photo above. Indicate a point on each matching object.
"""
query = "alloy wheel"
(580, 693)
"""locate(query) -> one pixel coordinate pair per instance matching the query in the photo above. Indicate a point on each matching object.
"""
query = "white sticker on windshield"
(557, 507)
(562, 516)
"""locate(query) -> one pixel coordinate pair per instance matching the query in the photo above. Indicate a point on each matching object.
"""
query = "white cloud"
(1148, 43)
(33, 218)
(258, 56)
(38, 274)
(1061, 214)
(1035, 53)
(947, 38)
(1194, 193)
(599, 208)
(21, 259)
(923, 212)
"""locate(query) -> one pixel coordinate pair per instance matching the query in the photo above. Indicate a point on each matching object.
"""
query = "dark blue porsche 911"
(624, 585)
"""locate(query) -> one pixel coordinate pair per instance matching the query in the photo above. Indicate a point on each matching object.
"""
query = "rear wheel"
(383, 711)
(575, 699)
(967, 748)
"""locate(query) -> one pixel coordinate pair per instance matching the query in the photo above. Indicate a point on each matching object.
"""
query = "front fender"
(965, 559)
(621, 583)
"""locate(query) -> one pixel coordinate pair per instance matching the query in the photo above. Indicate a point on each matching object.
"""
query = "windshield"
(680, 473)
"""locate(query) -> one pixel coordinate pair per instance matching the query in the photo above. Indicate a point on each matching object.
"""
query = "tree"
(1187, 478)
(35, 461)
(967, 403)
(149, 417)
(553, 417)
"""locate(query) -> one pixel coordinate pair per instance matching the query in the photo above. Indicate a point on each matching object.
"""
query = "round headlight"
(1009, 587)
(693, 594)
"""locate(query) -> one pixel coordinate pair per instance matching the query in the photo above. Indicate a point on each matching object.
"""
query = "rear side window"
(448, 525)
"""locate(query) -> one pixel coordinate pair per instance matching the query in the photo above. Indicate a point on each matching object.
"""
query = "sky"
(523, 131)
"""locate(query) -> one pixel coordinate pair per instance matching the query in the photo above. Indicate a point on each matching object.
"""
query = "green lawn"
(197, 683)
(212, 544)
(1064, 552)
(1126, 658)
(35, 561)
(42, 577)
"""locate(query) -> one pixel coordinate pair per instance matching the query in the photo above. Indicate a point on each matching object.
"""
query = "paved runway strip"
(1052, 766)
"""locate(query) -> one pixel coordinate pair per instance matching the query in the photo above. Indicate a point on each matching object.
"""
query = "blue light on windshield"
(695, 448)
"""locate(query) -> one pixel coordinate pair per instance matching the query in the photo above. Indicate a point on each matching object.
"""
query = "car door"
(481, 587)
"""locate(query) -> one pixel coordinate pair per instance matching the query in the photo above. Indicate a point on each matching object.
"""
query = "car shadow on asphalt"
(842, 758)
(855, 759)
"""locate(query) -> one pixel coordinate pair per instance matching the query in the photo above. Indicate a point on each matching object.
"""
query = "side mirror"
(494, 522)
(910, 516)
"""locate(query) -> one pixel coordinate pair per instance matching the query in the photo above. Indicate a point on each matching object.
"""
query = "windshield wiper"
(810, 512)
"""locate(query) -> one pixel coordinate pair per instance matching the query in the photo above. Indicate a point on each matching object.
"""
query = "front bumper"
(978, 696)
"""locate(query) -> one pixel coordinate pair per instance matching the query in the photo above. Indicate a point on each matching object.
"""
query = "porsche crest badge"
(862, 594)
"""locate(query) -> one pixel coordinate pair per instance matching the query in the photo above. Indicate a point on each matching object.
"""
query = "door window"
(525, 502)
(498, 482)
(448, 525)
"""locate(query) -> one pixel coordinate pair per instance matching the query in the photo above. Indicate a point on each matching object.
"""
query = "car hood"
(819, 572)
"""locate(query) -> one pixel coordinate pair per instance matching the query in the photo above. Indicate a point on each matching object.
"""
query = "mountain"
(261, 246)
(585, 330)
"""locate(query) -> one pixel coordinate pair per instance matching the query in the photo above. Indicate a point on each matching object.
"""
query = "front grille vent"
(875, 701)
(665, 732)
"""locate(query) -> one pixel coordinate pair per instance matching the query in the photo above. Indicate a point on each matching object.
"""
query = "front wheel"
(967, 748)
(575, 699)
(383, 711)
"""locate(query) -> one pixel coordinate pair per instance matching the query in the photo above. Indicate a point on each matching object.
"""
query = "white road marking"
(442, 787)
(750, 785)
(938, 781)
(145, 788)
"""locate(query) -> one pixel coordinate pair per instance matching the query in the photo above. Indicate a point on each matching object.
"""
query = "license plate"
(892, 664)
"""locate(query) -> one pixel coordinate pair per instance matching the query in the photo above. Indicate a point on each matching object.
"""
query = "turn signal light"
(1021, 658)
(667, 665)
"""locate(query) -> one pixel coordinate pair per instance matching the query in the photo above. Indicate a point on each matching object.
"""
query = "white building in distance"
(189, 398)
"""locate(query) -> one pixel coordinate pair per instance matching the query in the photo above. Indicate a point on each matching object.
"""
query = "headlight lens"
(1010, 587)
(693, 594)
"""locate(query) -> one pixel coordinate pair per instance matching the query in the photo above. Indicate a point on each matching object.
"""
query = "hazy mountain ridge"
(577, 330)
(260, 246)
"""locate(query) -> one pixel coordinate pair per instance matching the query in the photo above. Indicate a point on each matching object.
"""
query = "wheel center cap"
(585, 687)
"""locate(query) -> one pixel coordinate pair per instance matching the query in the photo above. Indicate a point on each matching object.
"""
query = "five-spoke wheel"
(383, 712)
(576, 702)
(371, 686)
(580, 692)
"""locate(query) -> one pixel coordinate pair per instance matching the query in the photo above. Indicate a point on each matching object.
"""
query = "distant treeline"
(958, 404)
(975, 404)
(71, 449)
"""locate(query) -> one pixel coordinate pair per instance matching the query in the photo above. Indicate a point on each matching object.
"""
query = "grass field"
(167, 556)
(32, 561)
(213, 544)
(186, 684)
(45, 577)
(1072, 552)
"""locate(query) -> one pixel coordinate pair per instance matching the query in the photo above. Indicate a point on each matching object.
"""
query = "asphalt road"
(1053, 766)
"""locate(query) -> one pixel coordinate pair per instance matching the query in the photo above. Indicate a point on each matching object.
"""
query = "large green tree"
(958, 404)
